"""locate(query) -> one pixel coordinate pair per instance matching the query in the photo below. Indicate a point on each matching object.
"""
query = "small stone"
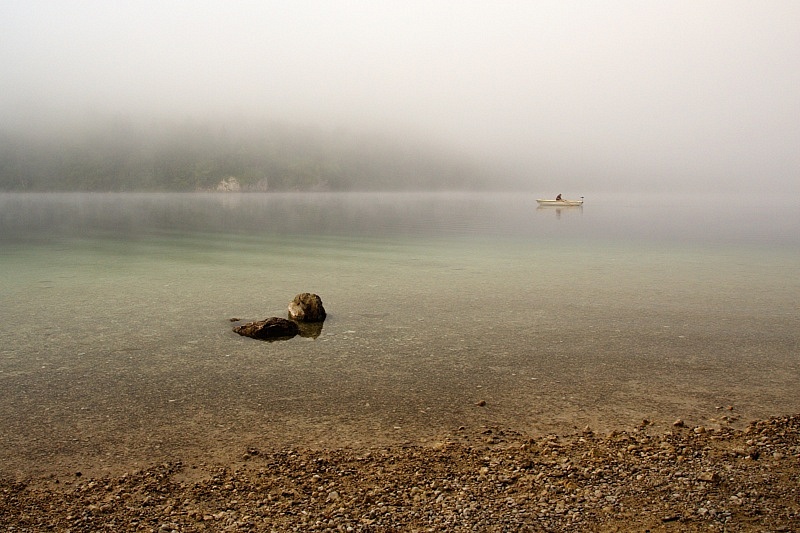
(679, 423)
(709, 477)
(481, 403)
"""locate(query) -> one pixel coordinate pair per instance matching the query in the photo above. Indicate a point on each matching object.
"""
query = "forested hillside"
(118, 155)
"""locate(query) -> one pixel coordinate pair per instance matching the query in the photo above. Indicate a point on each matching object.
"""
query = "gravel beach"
(475, 479)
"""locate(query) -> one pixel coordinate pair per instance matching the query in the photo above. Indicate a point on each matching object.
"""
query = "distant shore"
(490, 478)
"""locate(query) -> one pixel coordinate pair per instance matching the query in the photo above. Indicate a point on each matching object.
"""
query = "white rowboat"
(561, 203)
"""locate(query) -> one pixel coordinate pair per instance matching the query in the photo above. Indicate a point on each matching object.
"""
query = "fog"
(559, 96)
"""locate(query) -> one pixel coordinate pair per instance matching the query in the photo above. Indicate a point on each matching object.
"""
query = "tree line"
(118, 155)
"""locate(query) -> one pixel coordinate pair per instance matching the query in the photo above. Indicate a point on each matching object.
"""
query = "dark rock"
(307, 307)
(273, 328)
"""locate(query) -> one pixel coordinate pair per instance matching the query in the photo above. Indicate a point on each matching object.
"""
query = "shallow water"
(116, 345)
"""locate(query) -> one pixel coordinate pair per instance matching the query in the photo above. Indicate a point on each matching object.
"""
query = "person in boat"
(558, 198)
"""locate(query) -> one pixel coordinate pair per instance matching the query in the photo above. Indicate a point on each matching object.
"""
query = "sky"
(588, 95)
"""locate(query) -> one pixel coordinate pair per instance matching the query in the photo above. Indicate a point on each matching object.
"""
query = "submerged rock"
(273, 328)
(307, 307)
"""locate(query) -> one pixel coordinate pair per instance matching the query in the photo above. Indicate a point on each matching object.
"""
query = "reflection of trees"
(119, 156)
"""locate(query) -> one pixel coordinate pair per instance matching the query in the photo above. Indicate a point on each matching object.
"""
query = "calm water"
(116, 343)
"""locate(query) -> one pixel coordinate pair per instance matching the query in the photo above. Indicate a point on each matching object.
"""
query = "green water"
(116, 340)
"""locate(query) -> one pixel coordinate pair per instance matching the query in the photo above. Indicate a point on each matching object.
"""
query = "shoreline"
(114, 446)
(685, 478)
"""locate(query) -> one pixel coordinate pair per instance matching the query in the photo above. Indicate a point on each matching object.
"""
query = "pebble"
(630, 481)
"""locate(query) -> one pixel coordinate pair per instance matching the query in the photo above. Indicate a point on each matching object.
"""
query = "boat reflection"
(559, 208)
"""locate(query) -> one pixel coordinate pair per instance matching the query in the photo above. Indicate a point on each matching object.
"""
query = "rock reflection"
(310, 330)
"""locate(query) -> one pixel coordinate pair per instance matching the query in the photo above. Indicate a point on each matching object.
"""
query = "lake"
(445, 311)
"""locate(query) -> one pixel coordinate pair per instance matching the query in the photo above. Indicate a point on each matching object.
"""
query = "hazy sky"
(585, 94)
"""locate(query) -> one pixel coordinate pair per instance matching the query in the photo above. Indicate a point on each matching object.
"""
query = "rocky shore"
(481, 479)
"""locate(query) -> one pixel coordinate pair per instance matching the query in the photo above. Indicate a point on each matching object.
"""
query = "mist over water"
(609, 96)
(720, 219)
(672, 292)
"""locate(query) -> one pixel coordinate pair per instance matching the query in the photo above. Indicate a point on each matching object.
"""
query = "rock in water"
(307, 307)
(273, 328)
